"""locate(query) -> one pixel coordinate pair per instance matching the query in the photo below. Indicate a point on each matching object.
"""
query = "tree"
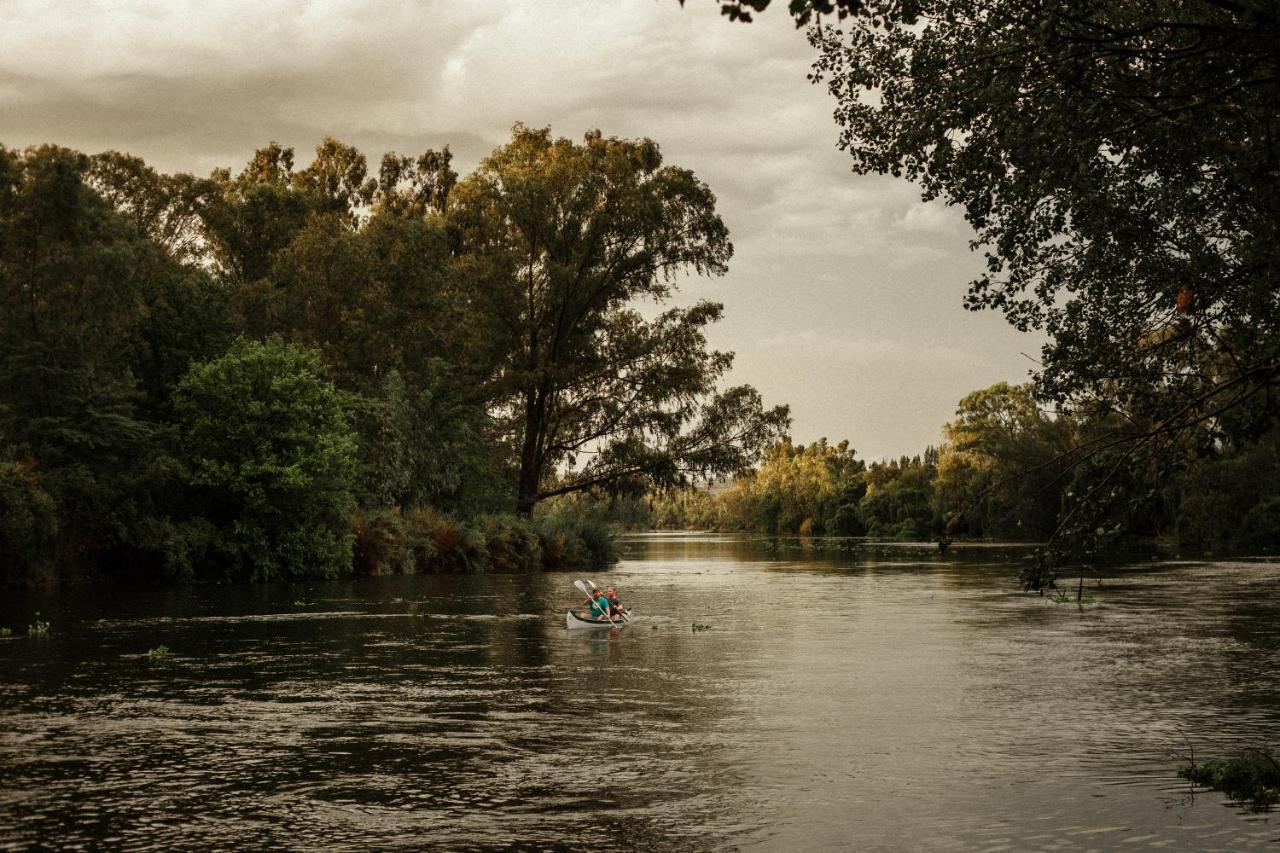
(373, 300)
(1119, 162)
(271, 456)
(898, 502)
(1003, 467)
(73, 278)
(253, 215)
(165, 209)
(812, 488)
(561, 241)
(803, 11)
(28, 525)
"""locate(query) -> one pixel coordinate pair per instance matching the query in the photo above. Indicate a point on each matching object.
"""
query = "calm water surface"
(879, 698)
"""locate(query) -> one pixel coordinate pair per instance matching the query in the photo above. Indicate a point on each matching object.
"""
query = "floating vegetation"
(698, 626)
(1252, 777)
(1066, 596)
(6, 632)
(160, 651)
(301, 603)
(39, 628)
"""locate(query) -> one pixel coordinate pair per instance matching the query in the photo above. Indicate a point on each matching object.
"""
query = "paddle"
(621, 613)
(583, 587)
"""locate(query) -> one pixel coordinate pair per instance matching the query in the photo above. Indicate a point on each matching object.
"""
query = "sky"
(844, 296)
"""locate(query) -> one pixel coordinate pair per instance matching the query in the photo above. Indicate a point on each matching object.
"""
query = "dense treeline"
(1004, 470)
(284, 372)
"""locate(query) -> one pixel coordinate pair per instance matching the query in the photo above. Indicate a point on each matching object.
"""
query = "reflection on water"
(877, 696)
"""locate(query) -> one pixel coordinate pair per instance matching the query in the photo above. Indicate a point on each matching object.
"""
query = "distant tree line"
(290, 372)
(1003, 471)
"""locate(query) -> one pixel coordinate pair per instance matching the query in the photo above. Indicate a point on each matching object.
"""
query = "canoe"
(574, 621)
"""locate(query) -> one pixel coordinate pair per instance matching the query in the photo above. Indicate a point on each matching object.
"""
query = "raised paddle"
(621, 613)
(583, 588)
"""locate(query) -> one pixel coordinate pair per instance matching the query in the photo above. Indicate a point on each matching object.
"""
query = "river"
(871, 697)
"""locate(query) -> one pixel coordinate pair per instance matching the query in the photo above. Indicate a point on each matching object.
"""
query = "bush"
(381, 546)
(576, 544)
(430, 542)
(512, 542)
(442, 545)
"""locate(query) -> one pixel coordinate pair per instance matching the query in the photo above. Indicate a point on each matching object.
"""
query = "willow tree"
(562, 243)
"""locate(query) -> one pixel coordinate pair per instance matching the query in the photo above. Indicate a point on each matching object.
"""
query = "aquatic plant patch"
(1252, 777)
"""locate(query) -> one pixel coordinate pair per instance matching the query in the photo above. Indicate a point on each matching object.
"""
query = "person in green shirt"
(598, 607)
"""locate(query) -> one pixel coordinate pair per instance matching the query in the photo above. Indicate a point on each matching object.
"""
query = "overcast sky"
(844, 294)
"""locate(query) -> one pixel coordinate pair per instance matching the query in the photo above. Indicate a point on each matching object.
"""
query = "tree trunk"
(531, 454)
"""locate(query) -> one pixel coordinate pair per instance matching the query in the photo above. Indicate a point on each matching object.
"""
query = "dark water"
(882, 699)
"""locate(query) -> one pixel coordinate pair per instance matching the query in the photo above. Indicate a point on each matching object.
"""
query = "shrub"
(381, 546)
(512, 542)
(444, 545)
(576, 544)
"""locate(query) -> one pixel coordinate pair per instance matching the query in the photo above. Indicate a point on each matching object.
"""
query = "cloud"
(858, 349)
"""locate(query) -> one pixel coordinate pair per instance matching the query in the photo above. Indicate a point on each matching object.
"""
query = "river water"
(874, 697)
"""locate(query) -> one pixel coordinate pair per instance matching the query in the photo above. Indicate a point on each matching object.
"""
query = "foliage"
(444, 545)
(1003, 465)
(513, 543)
(803, 11)
(28, 525)
(160, 651)
(38, 628)
(1230, 501)
(679, 509)
(1252, 777)
(94, 321)
(574, 537)
(1118, 164)
(899, 500)
(798, 488)
(271, 454)
(423, 540)
(562, 240)
(166, 209)
(380, 544)
(425, 444)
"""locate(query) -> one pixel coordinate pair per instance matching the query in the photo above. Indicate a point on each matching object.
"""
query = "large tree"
(563, 243)
(78, 285)
(1119, 161)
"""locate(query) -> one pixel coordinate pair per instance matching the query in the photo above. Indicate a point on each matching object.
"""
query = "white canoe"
(574, 621)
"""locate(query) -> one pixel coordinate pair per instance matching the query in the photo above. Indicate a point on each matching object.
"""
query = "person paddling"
(599, 607)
